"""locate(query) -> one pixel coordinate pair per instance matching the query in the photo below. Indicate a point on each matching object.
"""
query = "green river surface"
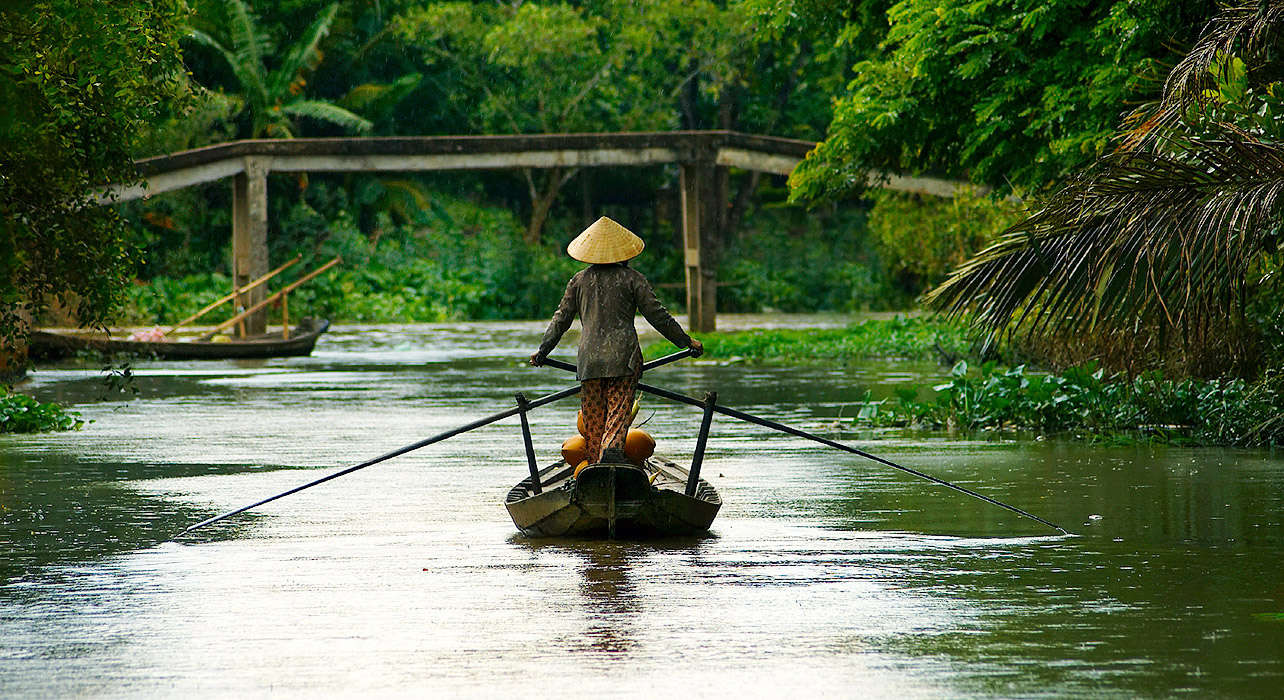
(826, 575)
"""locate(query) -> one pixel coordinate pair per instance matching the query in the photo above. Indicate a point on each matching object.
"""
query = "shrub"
(921, 239)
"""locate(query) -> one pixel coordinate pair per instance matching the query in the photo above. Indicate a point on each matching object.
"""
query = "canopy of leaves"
(998, 92)
(1170, 238)
(553, 67)
(77, 80)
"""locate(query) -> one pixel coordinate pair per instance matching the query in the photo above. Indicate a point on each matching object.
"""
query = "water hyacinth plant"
(1085, 401)
(20, 413)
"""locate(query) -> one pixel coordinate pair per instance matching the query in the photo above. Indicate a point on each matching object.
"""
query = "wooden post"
(701, 279)
(249, 240)
(522, 407)
(693, 477)
(285, 317)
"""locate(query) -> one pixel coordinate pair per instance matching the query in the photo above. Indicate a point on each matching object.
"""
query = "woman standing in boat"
(607, 295)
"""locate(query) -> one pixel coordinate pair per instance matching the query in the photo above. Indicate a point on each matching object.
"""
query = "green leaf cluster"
(78, 80)
(273, 95)
(907, 337)
(556, 67)
(1086, 401)
(20, 413)
(1170, 244)
(921, 239)
(998, 92)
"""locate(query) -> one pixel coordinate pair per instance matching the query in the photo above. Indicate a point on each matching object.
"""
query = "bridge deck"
(696, 152)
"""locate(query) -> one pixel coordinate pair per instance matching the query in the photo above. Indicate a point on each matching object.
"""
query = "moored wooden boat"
(613, 500)
(51, 345)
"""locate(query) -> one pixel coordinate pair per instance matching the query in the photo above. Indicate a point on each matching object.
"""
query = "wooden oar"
(395, 453)
(646, 366)
(215, 304)
(767, 423)
(285, 290)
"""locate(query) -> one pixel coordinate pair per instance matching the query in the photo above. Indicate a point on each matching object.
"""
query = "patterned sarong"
(606, 404)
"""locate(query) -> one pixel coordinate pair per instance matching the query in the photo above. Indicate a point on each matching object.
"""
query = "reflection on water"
(825, 574)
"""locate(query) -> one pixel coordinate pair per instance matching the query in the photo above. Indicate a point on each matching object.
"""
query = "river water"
(825, 576)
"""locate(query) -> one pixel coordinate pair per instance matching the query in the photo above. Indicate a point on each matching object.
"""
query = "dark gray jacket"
(607, 297)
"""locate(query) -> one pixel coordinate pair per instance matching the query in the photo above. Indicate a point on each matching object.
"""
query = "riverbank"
(902, 336)
(987, 398)
(1087, 403)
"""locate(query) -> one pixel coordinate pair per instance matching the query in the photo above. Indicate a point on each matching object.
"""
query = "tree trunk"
(689, 100)
(543, 195)
(13, 352)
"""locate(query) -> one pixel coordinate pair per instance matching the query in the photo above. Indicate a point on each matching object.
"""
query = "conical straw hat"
(605, 242)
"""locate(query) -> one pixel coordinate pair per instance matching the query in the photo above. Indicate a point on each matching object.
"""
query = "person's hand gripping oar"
(767, 423)
(542, 401)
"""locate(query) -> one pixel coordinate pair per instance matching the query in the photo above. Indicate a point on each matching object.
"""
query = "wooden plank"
(174, 180)
(473, 161)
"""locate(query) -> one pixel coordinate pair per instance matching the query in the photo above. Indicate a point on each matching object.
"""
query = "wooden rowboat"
(49, 345)
(613, 499)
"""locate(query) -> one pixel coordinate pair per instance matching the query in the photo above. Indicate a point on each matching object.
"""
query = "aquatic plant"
(1086, 402)
(908, 337)
(20, 413)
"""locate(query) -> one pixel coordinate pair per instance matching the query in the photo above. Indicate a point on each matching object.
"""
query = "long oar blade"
(766, 423)
(395, 453)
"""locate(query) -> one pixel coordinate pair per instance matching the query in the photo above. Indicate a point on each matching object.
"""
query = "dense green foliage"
(996, 92)
(903, 337)
(1084, 401)
(20, 413)
(1170, 246)
(655, 65)
(78, 80)
(467, 260)
(922, 239)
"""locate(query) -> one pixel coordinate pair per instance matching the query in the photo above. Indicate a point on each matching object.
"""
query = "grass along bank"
(905, 337)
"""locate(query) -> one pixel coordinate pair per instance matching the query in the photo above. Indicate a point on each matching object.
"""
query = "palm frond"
(1246, 29)
(409, 199)
(1243, 28)
(378, 99)
(248, 46)
(248, 74)
(302, 53)
(1165, 239)
(327, 112)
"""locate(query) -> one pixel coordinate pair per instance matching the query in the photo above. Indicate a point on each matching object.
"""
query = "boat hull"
(613, 500)
(47, 345)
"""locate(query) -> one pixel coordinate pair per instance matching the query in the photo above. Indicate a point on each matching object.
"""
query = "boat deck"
(613, 500)
(664, 474)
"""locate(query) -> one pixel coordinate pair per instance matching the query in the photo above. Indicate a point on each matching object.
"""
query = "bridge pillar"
(695, 182)
(249, 241)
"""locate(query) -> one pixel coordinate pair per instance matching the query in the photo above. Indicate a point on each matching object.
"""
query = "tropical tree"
(998, 92)
(562, 68)
(1162, 244)
(273, 98)
(78, 80)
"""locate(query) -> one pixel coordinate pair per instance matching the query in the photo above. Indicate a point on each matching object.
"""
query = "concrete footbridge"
(698, 155)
